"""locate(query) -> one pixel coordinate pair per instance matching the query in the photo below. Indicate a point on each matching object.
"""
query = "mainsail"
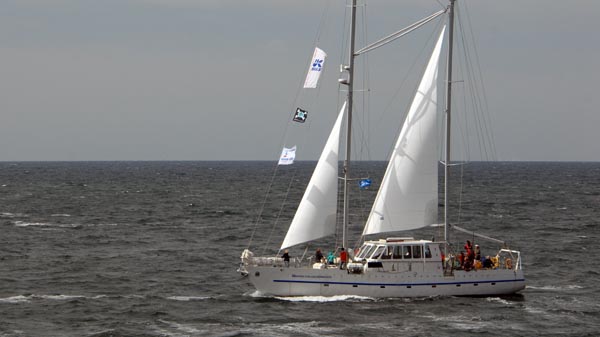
(316, 214)
(407, 198)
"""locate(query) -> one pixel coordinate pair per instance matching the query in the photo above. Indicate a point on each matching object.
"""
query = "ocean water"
(151, 249)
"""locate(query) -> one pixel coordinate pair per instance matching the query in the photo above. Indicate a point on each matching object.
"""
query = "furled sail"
(316, 214)
(407, 198)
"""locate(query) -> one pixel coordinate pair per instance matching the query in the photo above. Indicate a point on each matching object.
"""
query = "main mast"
(349, 82)
(448, 109)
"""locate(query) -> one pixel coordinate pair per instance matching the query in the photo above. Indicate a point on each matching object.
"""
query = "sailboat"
(406, 200)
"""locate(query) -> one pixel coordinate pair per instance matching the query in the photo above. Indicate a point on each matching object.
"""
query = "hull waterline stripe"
(400, 284)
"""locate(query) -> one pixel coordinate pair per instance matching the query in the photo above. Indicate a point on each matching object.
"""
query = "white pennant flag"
(287, 156)
(315, 68)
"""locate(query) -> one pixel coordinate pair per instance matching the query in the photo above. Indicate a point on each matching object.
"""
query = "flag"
(287, 156)
(364, 183)
(300, 115)
(315, 68)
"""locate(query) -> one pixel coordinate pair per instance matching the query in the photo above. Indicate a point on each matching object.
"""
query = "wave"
(322, 299)
(59, 225)
(187, 329)
(53, 297)
(44, 224)
(188, 298)
(11, 215)
(499, 300)
(556, 288)
(336, 298)
(28, 224)
(15, 299)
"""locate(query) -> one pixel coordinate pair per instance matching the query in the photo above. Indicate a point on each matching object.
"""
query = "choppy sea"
(151, 249)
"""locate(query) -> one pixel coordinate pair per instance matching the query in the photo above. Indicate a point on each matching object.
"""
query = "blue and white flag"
(364, 183)
(315, 68)
(287, 156)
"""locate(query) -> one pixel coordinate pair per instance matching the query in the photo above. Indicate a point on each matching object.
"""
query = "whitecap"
(10, 215)
(181, 327)
(534, 311)
(255, 294)
(61, 215)
(60, 297)
(45, 224)
(188, 298)
(15, 299)
(499, 300)
(337, 298)
(28, 224)
(556, 288)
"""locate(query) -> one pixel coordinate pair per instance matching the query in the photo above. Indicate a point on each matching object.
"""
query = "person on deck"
(343, 258)
(468, 247)
(477, 253)
(331, 258)
(318, 256)
(286, 258)
(470, 256)
(487, 263)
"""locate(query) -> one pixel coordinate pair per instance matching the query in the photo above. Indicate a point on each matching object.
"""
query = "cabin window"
(427, 252)
(397, 252)
(407, 252)
(368, 252)
(362, 251)
(416, 252)
(378, 252)
(387, 254)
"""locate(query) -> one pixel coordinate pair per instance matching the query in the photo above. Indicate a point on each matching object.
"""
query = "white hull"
(282, 281)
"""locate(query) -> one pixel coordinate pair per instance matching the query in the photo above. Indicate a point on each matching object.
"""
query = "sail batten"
(407, 198)
(316, 215)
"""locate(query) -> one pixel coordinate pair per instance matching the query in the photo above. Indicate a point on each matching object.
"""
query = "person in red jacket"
(343, 258)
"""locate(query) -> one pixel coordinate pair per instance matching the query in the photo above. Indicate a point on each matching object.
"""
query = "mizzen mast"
(349, 81)
(447, 113)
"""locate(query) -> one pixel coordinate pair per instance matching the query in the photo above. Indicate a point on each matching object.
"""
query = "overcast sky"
(216, 79)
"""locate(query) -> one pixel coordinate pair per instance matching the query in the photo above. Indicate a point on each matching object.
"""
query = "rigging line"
(364, 94)
(485, 106)
(472, 90)
(460, 229)
(399, 34)
(479, 99)
(284, 137)
(480, 128)
(281, 208)
(262, 207)
(363, 126)
(464, 129)
(461, 192)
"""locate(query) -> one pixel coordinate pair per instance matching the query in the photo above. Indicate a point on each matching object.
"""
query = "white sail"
(316, 214)
(407, 198)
